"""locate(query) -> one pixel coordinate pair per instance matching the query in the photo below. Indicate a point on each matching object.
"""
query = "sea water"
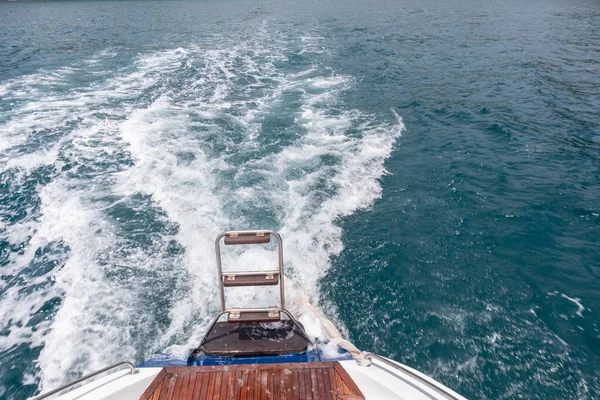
(432, 166)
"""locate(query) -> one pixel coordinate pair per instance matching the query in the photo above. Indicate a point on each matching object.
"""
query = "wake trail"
(148, 166)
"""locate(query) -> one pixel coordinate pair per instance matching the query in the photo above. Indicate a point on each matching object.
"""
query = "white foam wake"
(152, 164)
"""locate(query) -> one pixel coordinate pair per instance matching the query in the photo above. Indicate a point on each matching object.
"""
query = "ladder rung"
(254, 279)
(253, 316)
(247, 238)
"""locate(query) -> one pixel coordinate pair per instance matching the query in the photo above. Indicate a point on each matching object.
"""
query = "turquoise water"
(433, 168)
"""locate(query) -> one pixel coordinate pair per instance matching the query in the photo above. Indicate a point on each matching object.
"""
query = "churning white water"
(146, 165)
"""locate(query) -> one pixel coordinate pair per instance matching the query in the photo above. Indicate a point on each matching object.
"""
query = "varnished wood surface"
(293, 381)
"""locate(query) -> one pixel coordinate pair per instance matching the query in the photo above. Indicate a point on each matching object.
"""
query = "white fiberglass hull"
(383, 380)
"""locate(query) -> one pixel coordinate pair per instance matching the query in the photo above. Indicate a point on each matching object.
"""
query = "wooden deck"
(293, 381)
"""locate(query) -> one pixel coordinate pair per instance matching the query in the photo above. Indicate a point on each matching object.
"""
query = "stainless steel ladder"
(251, 278)
(223, 338)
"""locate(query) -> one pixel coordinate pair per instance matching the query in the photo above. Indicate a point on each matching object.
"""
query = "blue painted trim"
(202, 360)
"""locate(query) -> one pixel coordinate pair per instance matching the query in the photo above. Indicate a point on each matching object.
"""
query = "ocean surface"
(433, 167)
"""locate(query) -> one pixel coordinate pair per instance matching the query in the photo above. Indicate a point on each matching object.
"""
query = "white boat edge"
(383, 380)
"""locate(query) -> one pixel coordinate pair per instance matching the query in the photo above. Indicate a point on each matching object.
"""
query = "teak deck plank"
(301, 391)
(211, 385)
(177, 389)
(331, 377)
(157, 392)
(224, 384)
(197, 386)
(293, 381)
(217, 390)
(156, 385)
(348, 381)
(313, 384)
(294, 388)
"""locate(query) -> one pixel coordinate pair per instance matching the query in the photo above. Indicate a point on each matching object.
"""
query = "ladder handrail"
(84, 378)
(257, 232)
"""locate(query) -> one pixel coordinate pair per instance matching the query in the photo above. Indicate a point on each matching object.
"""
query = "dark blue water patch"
(49, 258)
(144, 255)
(138, 220)
(46, 262)
(19, 197)
(488, 204)
(104, 157)
(15, 363)
(185, 158)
